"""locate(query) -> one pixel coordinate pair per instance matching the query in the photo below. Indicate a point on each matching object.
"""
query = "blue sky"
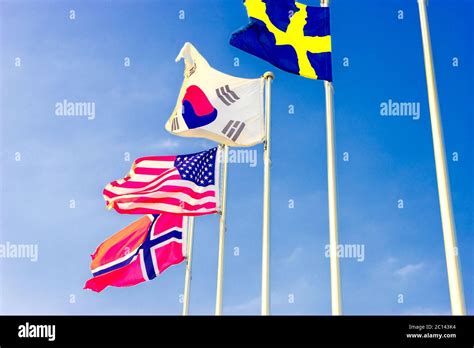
(390, 158)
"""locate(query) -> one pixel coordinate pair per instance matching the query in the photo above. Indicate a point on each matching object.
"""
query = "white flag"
(217, 106)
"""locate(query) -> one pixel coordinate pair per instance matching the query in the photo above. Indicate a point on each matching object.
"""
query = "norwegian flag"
(185, 185)
(139, 252)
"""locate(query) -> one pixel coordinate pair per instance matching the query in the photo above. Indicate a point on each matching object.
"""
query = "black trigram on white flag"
(174, 124)
(226, 95)
(233, 129)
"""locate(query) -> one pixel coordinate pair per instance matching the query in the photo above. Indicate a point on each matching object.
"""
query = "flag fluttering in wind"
(183, 184)
(217, 106)
(292, 36)
(139, 252)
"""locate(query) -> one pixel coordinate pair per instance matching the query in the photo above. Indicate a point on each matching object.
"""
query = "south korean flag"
(217, 106)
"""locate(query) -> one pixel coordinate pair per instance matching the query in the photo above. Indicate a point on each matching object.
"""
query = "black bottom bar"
(291, 330)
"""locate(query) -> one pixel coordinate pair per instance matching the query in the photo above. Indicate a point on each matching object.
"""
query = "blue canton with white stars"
(198, 168)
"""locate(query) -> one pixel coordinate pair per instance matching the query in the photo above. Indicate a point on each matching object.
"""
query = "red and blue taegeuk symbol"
(197, 109)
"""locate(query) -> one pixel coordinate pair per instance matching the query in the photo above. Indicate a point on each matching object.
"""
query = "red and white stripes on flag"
(184, 185)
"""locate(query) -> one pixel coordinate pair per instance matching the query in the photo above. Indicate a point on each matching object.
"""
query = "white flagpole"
(266, 200)
(189, 259)
(336, 304)
(222, 230)
(444, 192)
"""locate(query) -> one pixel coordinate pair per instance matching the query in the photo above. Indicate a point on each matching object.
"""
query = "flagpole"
(336, 304)
(222, 230)
(189, 259)
(444, 192)
(266, 200)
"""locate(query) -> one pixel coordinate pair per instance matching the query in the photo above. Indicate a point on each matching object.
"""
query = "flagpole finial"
(269, 75)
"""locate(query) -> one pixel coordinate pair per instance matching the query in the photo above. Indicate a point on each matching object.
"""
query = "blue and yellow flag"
(292, 36)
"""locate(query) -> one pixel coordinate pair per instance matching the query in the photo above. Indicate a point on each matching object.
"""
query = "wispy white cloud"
(409, 269)
(166, 144)
(303, 292)
(419, 310)
(391, 260)
(176, 143)
(252, 306)
(295, 255)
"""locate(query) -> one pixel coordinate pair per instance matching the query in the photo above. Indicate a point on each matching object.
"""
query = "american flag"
(139, 252)
(185, 185)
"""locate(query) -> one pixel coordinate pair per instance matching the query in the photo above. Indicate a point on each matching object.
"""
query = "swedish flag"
(292, 36)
